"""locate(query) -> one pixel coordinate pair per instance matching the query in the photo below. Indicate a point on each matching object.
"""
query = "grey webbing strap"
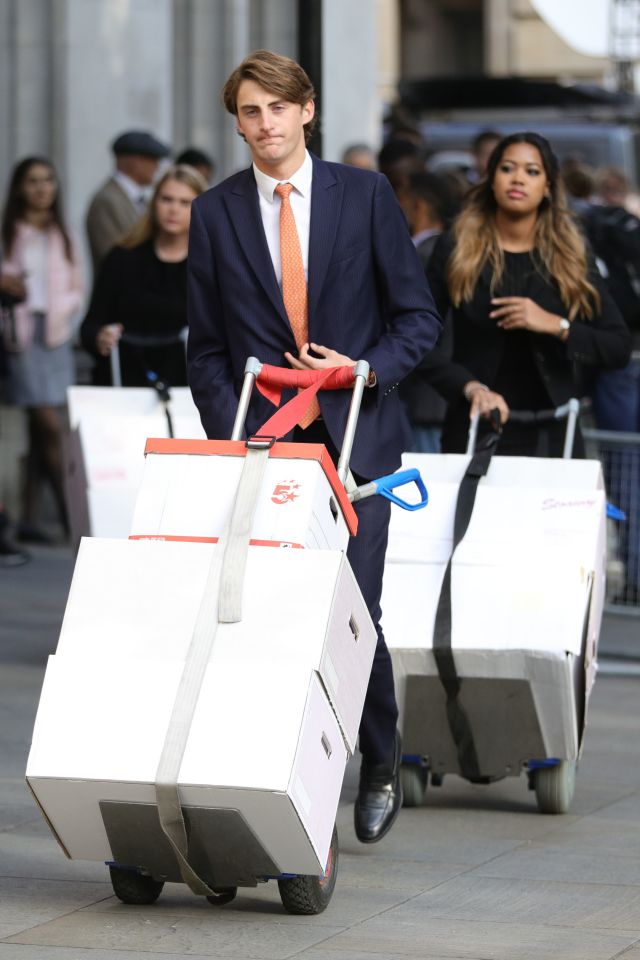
(237, 546)
(166, 786)
(221, 603)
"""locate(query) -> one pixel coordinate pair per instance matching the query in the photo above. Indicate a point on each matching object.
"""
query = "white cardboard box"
(264, 743)
(139, 599)
(527, 588)
(105, 451)
(188, 490)
(305, 644)
(122, 402)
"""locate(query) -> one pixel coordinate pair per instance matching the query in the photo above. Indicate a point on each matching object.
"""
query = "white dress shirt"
(300, 199)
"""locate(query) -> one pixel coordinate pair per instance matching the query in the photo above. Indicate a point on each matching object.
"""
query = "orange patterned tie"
(294, 283)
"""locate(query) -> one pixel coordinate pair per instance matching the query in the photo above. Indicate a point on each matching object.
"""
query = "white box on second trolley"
(105, 451)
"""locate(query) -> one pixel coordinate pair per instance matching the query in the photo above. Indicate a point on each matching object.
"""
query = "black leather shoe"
(379, 798)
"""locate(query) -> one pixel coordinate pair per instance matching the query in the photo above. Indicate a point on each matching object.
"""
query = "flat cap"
(141, 142)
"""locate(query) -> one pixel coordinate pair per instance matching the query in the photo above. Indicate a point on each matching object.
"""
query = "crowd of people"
(137, 231)
(534, 266)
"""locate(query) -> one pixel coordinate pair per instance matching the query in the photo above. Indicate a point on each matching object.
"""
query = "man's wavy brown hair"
(278, 74)
(560, 251)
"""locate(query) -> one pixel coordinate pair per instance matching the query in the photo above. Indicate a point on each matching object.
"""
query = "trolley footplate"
(222, 847)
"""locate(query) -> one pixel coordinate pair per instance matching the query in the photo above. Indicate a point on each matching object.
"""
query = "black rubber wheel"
(308, 895)
(554, 787)
(414, 784)
(222, 895)
(134, 888)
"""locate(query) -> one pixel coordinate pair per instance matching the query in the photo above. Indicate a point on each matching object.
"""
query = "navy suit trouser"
(366, 553)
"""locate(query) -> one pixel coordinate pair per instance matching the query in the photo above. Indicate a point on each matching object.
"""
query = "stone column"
(351, 110)
(112, 71)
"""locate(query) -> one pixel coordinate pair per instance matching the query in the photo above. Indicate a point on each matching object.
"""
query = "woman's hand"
(107, 338)
(328, 358)
(483, 401)
(13, 284)
(522, 313)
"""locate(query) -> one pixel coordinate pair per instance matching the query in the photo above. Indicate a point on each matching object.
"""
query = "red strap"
(272, 379)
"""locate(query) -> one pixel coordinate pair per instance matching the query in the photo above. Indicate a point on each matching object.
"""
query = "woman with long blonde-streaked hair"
(140, 295)
(516, 281)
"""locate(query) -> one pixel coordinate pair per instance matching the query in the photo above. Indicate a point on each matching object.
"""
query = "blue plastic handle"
(615, 513)
(385, 486)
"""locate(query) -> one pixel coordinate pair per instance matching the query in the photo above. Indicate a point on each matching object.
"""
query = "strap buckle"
(261, 441)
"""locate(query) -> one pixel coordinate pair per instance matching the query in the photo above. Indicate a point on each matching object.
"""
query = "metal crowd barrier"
(619, 454)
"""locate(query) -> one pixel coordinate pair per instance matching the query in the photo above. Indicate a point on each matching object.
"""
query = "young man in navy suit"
(367, 298)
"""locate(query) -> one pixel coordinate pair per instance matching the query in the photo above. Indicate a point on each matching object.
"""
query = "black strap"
(456, 715)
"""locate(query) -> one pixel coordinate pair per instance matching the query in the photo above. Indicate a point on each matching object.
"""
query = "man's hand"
(522, 313)
(107, 338)
(328, 358)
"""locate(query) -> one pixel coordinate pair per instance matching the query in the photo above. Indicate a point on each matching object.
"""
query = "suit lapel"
(244, 212)
(326, 203)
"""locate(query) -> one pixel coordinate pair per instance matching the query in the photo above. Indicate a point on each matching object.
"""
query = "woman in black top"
(525, 300)
(141, 291)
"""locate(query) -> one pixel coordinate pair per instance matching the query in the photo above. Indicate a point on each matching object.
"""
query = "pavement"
(475, 874)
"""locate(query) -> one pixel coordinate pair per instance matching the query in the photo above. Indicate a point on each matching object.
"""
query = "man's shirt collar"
(133, 190)
(300, 180)
(424, 235)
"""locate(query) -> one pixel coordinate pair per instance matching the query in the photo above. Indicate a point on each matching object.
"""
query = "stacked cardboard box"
(301, 502)
(282, 689)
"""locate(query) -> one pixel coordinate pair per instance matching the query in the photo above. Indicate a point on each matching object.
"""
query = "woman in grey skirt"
(40, 271)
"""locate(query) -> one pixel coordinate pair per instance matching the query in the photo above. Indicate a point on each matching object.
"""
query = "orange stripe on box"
(254, 543)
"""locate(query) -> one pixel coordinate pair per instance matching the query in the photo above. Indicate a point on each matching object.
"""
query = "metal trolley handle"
(136, 340)
(570, 410)
(252, 372)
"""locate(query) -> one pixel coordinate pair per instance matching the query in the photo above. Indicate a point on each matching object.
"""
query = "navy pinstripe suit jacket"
(368, 299)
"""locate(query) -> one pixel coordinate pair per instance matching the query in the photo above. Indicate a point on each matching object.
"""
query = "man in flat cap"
(123, 198)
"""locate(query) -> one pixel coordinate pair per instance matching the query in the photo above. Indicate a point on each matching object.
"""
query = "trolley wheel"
(222, 895)
(554, 786)
(309, 895)
(134, 888)
(414, 779)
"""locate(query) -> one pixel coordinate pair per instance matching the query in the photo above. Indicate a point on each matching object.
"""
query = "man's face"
(147, 169)
(140, 168)
(272, 127)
